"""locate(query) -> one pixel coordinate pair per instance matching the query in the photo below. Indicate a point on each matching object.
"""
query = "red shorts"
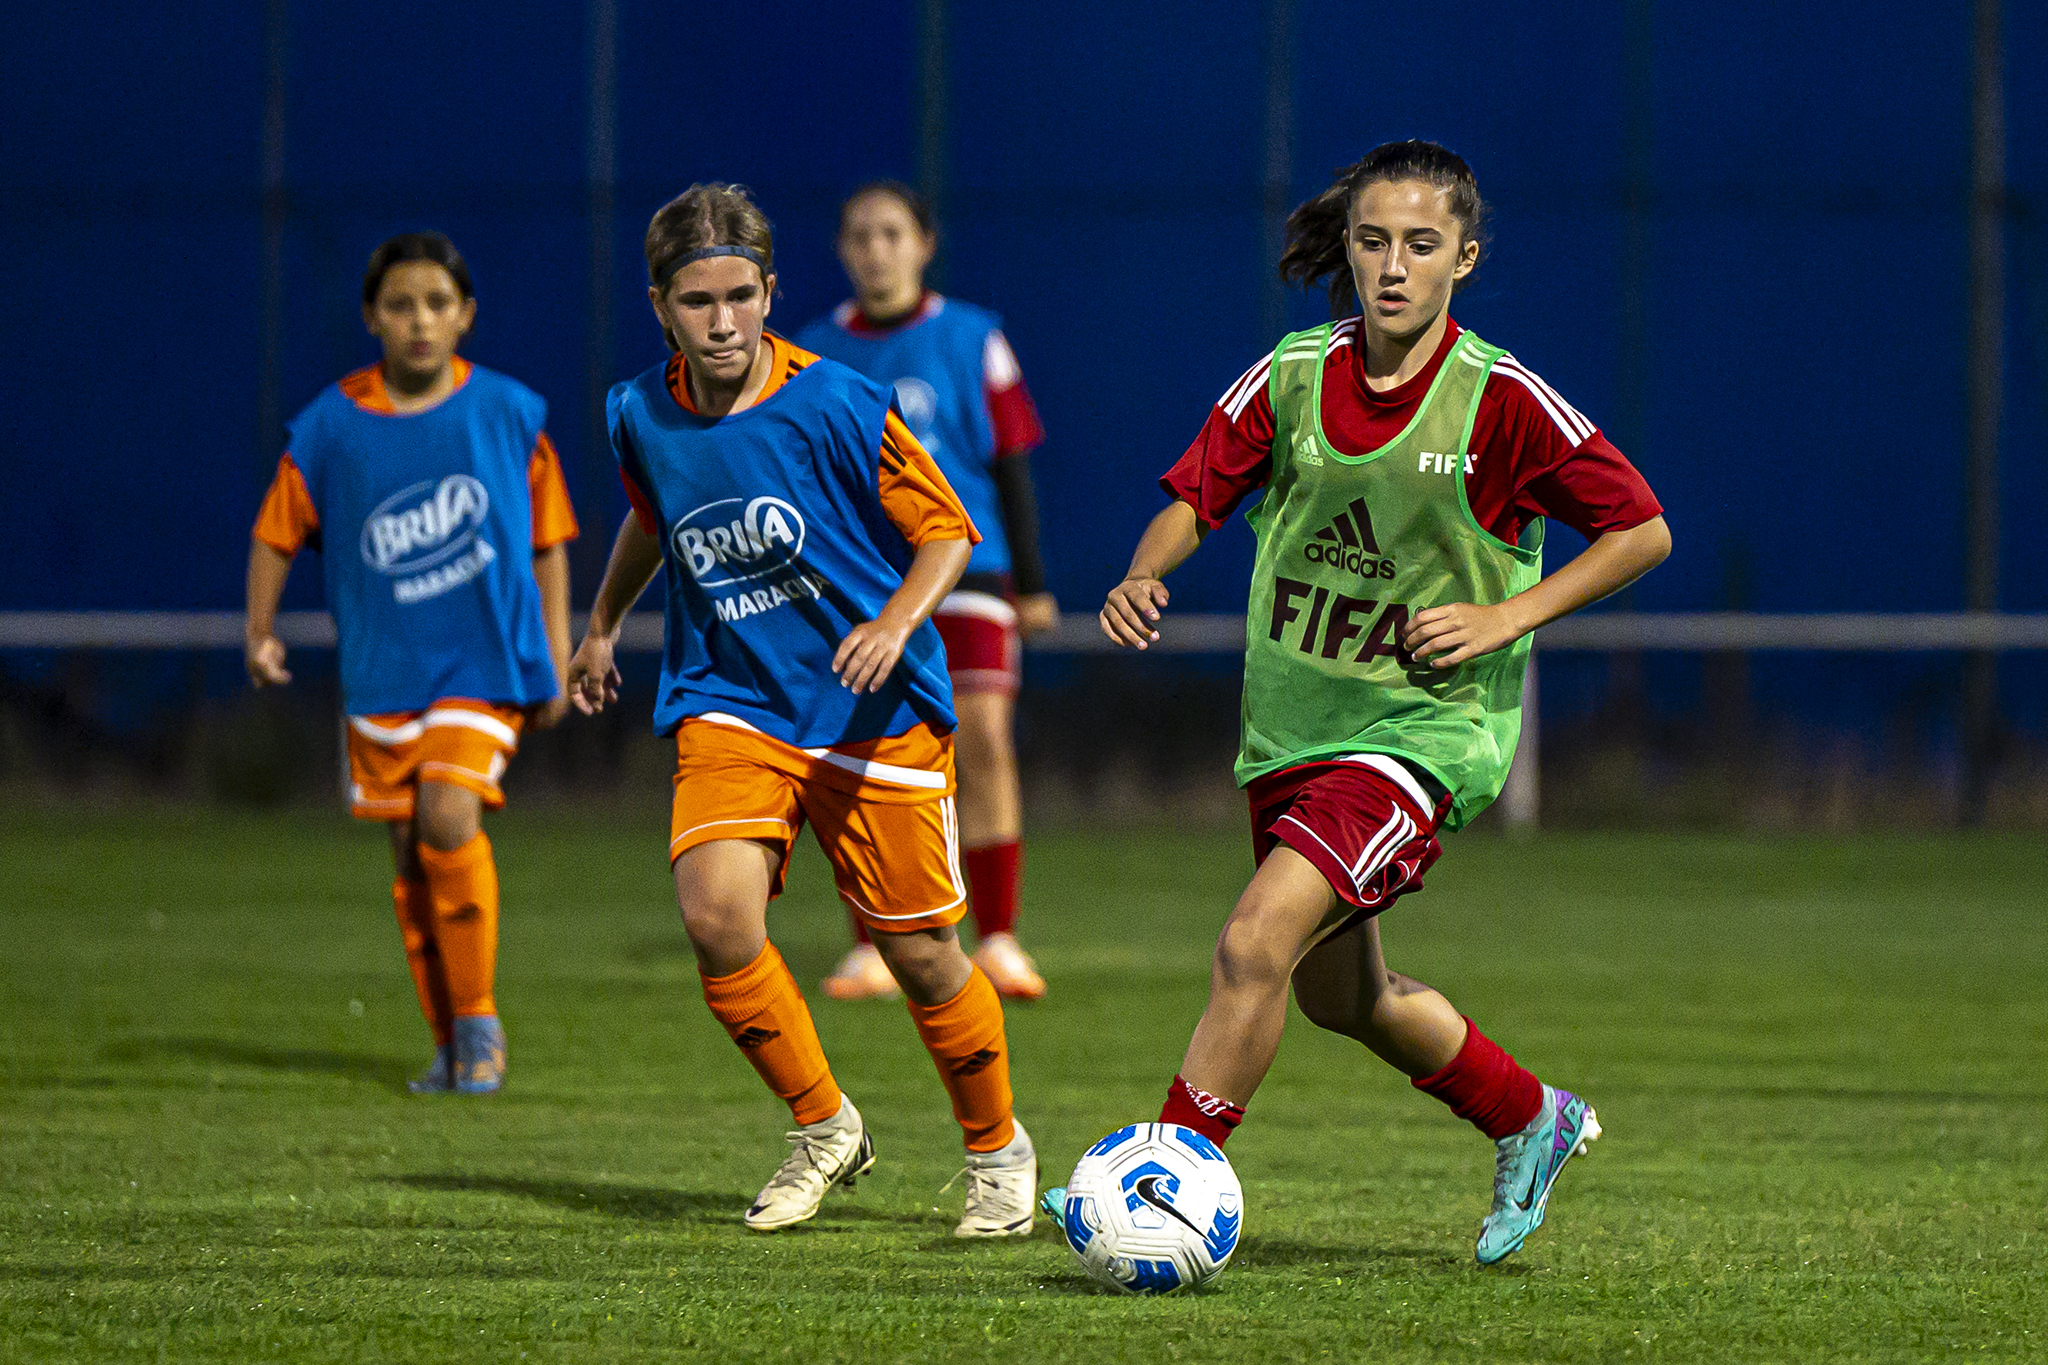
(1363, 820)
(982, 651)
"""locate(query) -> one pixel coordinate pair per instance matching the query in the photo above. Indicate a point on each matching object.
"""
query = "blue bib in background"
(774, 545)
(935, 366)
(426, 526)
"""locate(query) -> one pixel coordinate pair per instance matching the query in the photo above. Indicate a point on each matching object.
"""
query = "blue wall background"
(1808, 172)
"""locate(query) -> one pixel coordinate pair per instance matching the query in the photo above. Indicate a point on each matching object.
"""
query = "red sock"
(995, 875)
(860, 929)
(1214, 1117)
(1486, 1086)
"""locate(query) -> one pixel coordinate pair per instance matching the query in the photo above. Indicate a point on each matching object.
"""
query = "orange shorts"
(882, 810)
(461, 742)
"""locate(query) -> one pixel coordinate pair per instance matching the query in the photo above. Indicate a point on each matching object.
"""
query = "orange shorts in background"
(882, 810)
(461, 742)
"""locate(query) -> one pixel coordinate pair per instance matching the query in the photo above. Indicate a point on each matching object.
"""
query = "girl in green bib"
(1408, 470)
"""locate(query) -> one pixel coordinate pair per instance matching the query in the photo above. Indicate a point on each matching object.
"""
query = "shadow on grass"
(1264, 1251)
(388, 1072)
(647, 1203)
(1267, 1253)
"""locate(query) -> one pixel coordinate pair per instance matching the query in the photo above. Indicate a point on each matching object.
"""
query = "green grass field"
(1823, 1070)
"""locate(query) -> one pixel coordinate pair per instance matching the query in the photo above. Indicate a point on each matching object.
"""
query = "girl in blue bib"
(805, 536)
(440, 510)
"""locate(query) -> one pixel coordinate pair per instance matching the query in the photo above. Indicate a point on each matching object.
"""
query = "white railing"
(1196, 633)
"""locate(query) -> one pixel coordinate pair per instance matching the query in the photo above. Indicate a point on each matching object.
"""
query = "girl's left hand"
(868, 655)
(1449, 635)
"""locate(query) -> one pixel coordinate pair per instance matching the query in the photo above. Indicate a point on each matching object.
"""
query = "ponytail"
(1314, 251)
(1314, 254)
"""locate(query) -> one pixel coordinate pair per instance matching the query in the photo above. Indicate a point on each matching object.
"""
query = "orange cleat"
(1010, 968)
(861, 975)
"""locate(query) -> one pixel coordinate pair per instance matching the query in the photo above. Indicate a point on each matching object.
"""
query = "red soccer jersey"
(1532, 454)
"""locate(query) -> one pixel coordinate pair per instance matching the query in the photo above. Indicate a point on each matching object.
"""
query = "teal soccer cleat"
(1053, 1204)
(479, 1054)
(439, 1077)
(1526, 1165)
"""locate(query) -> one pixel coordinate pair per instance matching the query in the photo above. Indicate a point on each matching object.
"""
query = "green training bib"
(1350, 548)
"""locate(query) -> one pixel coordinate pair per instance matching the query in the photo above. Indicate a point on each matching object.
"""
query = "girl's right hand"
(593, 676)
(264, 658)
(1132, 606)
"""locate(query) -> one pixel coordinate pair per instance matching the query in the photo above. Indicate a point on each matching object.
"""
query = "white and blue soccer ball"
(1153, 1208)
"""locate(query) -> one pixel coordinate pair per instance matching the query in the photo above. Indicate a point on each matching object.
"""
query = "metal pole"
(1277, 173)
(1520, 803)
(1632, 360)
(270, 383)
(1986, 398)
(1632, 365)
(931, 117)
(601, 176)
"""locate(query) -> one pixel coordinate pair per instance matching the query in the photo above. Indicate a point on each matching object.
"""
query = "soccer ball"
(1153, 1208)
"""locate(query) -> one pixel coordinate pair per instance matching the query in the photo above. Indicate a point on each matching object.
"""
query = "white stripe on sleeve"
(1243, 390)
(1575, 428)
(999, 368)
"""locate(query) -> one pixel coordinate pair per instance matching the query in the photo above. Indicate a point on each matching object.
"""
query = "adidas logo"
(977, 1063)
(1348, 543)
(753, 1036)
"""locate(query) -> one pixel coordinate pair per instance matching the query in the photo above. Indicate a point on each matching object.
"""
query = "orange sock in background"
(416, 927)
(463, 885)
(764, 1012)
(965, 1037)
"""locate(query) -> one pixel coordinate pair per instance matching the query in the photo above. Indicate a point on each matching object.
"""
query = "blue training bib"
(427, 541)
(935, 366)
(774, 545)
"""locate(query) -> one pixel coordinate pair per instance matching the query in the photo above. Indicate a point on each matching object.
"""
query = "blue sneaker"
(479, 1066)
(439, 1077)
(1053, 1204)
(1525, 1166)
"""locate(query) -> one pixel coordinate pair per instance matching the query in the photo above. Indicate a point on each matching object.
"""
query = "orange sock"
(764, 1012)
(423, 955)
(463, 885)
(965, 1037)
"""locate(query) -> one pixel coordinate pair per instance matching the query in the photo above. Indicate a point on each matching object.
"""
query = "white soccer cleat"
(824, 1154)
(861, 975)
(1001, 1189)
(1009, 968)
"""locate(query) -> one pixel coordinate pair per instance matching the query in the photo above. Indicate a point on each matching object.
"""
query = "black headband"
(706, 252)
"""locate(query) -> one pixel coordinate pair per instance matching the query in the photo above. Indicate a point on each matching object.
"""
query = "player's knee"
(446, 816)
(1249, 951)
(711, 912)
(928, 965)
